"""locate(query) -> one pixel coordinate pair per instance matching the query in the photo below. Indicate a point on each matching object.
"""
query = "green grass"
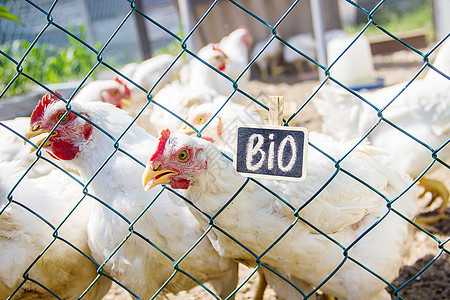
(5, 14)
(45, 63)
(418, 17)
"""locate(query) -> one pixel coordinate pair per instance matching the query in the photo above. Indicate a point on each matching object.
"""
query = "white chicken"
(236, 46)
(14, 147)
(268, 61)
(421, 110)
(229, 56)
(441, 62)
(114, 91)
(198, 85)
(305, 43)
(344, 209)
(177, 98)
(149, 71)
(199, 75)
(39, 246)
(221, 130)
(129, 69)
(140, 237)
(147, 74)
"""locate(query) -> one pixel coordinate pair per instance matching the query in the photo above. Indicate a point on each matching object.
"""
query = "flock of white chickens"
(118, 211)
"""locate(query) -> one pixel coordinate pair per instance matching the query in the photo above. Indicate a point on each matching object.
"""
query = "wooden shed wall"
(225, 17)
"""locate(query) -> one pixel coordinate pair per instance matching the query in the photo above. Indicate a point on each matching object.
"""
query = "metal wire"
(116, 147)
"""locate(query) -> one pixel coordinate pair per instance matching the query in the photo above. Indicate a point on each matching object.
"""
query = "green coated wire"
(115, 145)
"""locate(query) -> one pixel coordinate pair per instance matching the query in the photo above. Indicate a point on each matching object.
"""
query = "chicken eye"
(183, 156)
(201, 119)
(62, 117)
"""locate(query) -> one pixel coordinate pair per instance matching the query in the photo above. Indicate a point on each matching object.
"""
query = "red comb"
(216, 48)
(165, 134)
(46, 100)
(119, 80)
(122, 82)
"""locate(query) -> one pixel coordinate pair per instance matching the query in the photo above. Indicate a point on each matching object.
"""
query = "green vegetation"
(5, 14)
(45, 63)
(174, 47)
(418, 16)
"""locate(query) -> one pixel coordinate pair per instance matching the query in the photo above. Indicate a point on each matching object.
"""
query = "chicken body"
(303, 42)
(269, 59)
(129, 69)
(229, 56)
(62, 269)
(344, 210)
(149, 71)
(114, 91)
(177, 98)
(147, 74)
(236, 46)
(198, 74)
(118, 234)
(441, 62)
(222, 129)
(12, 147)
(199, 83)
(422, 110)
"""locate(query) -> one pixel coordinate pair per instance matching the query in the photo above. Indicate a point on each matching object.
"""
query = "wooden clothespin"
(276, 107)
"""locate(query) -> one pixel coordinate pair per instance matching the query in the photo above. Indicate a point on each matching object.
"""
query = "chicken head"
(117, 94)
(176, 161)
(198, 117)
(212, 54)
(68, 137)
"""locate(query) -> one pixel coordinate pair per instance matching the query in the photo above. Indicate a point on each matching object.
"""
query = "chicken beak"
(153, 176)
(125, 103)
(32, 133)
(185, 129)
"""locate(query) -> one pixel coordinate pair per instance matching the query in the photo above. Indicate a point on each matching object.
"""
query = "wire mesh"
(49, 22)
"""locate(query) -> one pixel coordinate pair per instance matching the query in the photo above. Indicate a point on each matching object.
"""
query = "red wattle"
(180, 184)
(64, 150)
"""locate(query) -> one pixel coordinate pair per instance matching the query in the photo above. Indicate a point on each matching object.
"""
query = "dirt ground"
(434, 282)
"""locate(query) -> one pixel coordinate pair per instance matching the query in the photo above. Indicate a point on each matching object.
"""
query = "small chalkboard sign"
(274, 152)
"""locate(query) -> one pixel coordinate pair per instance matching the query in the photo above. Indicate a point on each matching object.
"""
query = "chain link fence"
(100, 60)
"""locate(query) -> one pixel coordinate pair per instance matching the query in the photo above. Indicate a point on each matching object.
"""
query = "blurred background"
(71, 32)
(422, 21)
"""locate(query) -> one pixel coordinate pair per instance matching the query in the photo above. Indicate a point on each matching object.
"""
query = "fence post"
(144, 41)
(441, 9)
(187, 21)
(319, 33)
(90, 30)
